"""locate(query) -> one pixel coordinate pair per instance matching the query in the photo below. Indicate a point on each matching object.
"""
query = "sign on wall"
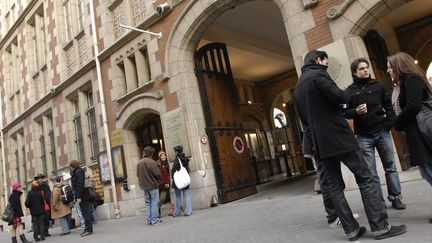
(104, 167)
(174, 131)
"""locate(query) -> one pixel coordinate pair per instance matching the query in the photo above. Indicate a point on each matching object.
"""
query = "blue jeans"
(80, 216)
(188, 203)
(64, 223)
(152, 200)
(373, 205)
(382, 141)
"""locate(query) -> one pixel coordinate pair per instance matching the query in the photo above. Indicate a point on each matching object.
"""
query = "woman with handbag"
(410, 91)
(15, 204)
(181, 162)
(38, 207)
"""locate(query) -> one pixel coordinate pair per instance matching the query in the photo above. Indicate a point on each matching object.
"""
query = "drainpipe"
(103, 108)
(3, 144)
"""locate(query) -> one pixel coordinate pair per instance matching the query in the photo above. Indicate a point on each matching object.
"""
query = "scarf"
(395, 100)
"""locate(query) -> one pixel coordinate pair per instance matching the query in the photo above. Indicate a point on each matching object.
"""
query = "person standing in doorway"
(15, 204)
(164, 181)
(318, 101)
(148, 175)
(373, 116)
(82, 196)
(410, 90)
(180, 158)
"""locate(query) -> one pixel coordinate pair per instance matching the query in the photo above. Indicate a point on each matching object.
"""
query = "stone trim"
(157, 96)
(310, 3)
(338, 10)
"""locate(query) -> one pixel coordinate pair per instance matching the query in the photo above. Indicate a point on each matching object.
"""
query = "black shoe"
(86, 233)
(394, 231)
(359, 234)
(63, 234)
(398, 204)
(430, 220)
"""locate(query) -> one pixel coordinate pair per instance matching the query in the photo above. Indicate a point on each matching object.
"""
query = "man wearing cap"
(148, 175)
(43, 185)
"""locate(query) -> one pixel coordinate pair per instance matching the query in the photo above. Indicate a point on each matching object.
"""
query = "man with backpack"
(60, 204)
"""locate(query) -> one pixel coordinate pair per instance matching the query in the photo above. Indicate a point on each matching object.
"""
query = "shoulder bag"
(181, 177)
(46, 206)
(424, 121)
(8, 214)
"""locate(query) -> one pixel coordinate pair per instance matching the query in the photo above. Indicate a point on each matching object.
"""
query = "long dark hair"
(403, 64)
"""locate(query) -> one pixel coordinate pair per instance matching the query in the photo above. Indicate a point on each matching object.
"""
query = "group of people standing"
(323, 109)
(46, 205)
(154, 179)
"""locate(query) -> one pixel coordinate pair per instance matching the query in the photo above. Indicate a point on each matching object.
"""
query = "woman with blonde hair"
(411, 89)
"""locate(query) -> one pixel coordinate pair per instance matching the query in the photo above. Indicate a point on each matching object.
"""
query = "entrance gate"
(235, 177)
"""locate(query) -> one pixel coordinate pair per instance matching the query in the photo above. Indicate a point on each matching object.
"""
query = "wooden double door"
(234, 172)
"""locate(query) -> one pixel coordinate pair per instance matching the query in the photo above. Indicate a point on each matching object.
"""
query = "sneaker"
(157, 222)
(398, 204)
(359, 234)
(337, 222)
(394, 231)
(82, 227)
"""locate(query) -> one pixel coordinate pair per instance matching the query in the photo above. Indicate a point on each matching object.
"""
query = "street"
(287, 212)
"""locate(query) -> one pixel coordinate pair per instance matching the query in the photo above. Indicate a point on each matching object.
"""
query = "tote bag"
(181, 177)
(8, 214)
(424, 121)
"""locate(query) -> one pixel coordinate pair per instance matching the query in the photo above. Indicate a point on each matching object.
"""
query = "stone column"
(142, 68)
(130, 75)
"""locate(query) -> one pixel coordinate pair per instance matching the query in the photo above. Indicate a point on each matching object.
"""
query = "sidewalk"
(287, 212)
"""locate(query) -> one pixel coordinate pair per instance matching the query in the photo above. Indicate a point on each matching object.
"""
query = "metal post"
(103, 108)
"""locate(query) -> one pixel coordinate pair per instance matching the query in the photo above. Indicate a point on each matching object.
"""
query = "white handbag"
(181, 177)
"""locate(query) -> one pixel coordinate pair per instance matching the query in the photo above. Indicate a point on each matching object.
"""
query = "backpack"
(66, 194)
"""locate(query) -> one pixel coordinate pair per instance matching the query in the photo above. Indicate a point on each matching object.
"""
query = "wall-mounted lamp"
(416, 61)
(249, 102)
(283, 104)
(159, 35)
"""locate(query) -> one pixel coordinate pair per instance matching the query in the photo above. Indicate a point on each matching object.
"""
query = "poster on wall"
(104, 167)
(118, 163)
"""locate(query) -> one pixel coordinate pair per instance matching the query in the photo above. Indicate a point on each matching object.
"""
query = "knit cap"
(16, 186)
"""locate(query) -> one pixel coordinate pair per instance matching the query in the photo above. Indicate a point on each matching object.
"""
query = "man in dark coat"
(43, 184)
(35, 202)
(318, 100)
(373, 115)
(82, 196)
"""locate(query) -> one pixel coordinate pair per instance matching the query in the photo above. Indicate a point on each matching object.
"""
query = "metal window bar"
(94, 145)
(52, 152)
(79, 138)
(17, 166)
(24, 164)
(43, 154)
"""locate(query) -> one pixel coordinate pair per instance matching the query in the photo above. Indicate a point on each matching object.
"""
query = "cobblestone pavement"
(287, 212)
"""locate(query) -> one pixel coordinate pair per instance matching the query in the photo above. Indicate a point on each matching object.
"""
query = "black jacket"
(176, 167)
(78, 178)
(15, 203)
(413, 92)
(380, 114)
(317, 98)
(35, 201)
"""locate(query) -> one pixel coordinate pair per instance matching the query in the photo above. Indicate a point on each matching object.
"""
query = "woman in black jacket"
(15, 204)
(180, 157)
(411, 89)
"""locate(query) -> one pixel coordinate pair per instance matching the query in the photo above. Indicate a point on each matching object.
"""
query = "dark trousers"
(86, 210)
(38, 226)
(328, 203)
(372, 203)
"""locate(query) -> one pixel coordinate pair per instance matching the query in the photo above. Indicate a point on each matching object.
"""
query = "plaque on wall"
(174, 131)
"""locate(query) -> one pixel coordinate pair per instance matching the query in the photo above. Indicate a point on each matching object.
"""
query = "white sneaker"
(337, 222)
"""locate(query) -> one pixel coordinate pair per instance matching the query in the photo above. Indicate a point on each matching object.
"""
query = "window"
(119, 17)
(68, 17)
(91, 118)
(81, 15)
(24, 163)
(139, 10)
(17, 165)
(42, 147)
(78, 132)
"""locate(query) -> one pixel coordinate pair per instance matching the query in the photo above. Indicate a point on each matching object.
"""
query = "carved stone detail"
(336, 11)
(309, 3)
(157, 96)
